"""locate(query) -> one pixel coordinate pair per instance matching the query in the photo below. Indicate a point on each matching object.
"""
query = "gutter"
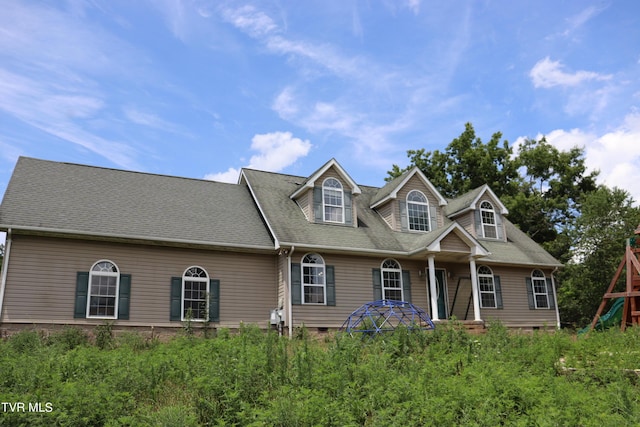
(80, 234)
(5, 268)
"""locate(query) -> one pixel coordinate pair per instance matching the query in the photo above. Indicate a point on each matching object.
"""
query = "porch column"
(432, 287)
(474, 290)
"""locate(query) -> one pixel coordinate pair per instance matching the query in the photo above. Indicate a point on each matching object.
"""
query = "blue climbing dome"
(385, 316)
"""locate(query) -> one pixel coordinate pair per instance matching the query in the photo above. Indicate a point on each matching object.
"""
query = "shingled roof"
(65, 198)
(94, 202)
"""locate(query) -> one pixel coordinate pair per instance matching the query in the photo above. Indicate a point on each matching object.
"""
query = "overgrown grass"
(444, 377)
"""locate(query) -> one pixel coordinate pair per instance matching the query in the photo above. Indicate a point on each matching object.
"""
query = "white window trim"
(542, 278)
(115, 274)
(323, 274)
(194, 279)
(426, 204)
(384, 270)
(325, 205)
(493, 285)
(483, 224)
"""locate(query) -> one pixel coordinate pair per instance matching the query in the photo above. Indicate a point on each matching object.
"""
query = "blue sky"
(203, 88)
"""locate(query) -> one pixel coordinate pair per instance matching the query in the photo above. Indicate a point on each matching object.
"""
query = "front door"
(441, 290)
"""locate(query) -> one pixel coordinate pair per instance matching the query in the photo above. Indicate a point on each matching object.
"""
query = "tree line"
(550, 196)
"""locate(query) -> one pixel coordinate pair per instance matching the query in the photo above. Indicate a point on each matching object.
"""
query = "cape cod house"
(89, 244)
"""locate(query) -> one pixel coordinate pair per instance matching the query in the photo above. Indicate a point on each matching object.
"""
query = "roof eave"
(111, 236)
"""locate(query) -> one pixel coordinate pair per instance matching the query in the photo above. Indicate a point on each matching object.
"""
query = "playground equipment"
(385, 316)
(631, 295)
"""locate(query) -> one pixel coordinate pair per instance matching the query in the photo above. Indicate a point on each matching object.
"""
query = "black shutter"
(529, 283)
(176, 298)
(404, 219)
(377, 284)
(552, 301)
(406, 285)
(317, 204)
(433, 218)
(348, 208)
(498, 289)
(124, 296)
(478, 222)
(296, 284)
(214, 300)
(331, 285)
(82, 287)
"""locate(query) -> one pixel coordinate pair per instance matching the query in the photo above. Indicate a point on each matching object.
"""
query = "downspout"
(5, 268)
(289, 301)
(555, 295)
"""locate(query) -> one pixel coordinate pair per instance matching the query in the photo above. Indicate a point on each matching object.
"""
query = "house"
(88, 244)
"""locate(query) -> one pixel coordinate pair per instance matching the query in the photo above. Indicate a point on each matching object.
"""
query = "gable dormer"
(481, 213)
(410, 203)
(326, 197)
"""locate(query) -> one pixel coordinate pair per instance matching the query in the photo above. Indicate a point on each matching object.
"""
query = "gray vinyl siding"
(466, 222)
(354, 288)
(453, 243)
(387, 213)
(515, 311)
(41, 280)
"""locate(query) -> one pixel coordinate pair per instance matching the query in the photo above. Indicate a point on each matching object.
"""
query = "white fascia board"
(503, 208)
(310, 183)
(394, 194)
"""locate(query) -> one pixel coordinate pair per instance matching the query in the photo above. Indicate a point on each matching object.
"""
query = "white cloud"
(284, 104)
(230, 176)
(252, 21)
(276, 151)
(616, 154)
(151, 120)
(547, 74)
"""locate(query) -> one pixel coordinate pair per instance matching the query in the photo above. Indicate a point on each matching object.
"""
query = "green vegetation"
(252, 378)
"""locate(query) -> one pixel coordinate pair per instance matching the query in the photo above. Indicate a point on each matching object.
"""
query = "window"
(313, 279)
(539, 287)
(487, 287)
(333, 200)
(104, 280)
(391, 280)
(488, 217)
(418, 211)
(195, 289)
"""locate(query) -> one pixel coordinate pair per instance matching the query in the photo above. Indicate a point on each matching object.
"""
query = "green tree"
(608, 217)
(467, 163)
(549, 200)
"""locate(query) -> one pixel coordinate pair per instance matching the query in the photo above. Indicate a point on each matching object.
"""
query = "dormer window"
(418, 211)
(488, 218)
(332, 200)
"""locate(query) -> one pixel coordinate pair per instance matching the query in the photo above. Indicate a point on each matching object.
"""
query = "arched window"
(104, 282)
(487, 287)
(391, 280)
(418, 211)
(333, 200)
(488, 216)
(313, 279)
(195, 291)
(539, 286)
